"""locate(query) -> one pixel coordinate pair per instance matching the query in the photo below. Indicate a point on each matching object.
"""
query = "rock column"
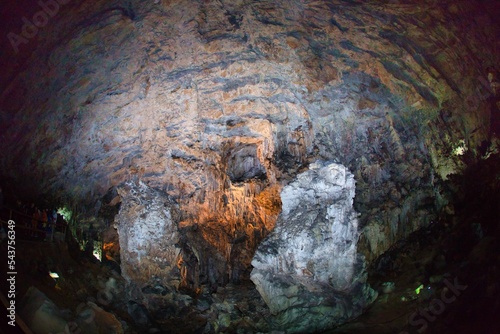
(308, 270)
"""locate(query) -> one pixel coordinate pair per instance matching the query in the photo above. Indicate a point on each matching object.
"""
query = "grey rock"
(308, 267)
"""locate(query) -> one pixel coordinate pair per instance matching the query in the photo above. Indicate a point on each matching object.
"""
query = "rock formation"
(308, 270)
(149, 237)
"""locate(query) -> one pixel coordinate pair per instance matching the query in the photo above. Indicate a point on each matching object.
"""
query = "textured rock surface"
(216, 105)
(308, 270)
(149, 237)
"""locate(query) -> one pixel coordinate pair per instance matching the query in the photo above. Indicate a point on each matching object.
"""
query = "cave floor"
(81, 278)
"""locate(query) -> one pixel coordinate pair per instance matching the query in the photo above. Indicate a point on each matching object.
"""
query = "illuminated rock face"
(215, 106)
(209, 243)
(308, 270)
(149, 237)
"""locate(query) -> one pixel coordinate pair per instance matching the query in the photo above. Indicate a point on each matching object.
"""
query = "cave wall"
(216, 106)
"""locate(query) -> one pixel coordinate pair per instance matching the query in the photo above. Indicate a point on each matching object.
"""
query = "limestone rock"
(41, 314)
(308, 270)
(92, 319)
(148, 234)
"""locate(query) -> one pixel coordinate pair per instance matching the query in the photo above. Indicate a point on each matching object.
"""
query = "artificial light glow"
(417, 290)
(107, 247)
(460, 148)
(53, 275)
(65, 212)
(97, 251)
(97, 255)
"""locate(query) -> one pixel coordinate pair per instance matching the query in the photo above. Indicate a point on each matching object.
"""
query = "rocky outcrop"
(308, 269)
(149, 238)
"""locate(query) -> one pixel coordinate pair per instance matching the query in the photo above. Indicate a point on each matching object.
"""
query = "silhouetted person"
(44, 218)
(54, 216)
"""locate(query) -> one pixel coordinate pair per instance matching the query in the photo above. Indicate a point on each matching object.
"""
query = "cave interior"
(195, 166)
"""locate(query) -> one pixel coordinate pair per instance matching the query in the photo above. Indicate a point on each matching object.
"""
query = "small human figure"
(52, 216)
(44, 218)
